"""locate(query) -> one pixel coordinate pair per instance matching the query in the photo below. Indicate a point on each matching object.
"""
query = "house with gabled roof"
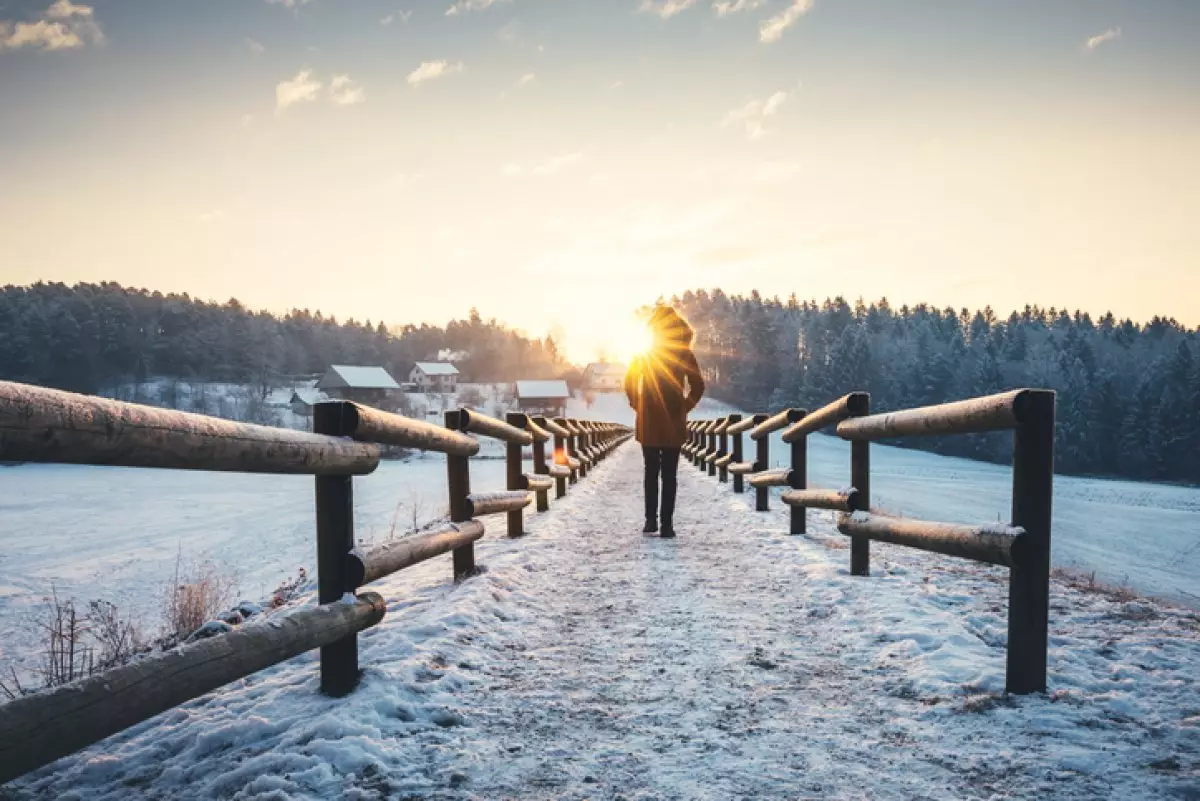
(604, 377)
(366, 384)
(434, 377)
(543, 397)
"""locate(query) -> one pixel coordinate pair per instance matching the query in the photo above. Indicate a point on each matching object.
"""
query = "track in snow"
(733, 662)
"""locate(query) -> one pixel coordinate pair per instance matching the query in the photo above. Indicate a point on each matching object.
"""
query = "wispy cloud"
(558, 163)
(345, 92)
(723, 8)
(665, 8)
(254, 46)
(754, 115)
(1111, 35)
(62, 26)
(430, 70)
(771, 30)
(463, 6)
(526, 79)
(288, 3)
(304, 88)
(400, 16)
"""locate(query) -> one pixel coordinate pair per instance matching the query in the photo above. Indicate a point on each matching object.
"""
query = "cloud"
(254, 46)
(1111, 35)
(615, 85)
(771, 30)
(400, 16)
(62, 26)
(723, 8)
(463, 6)
(345, 92)
(526, 79)
(665, 8)
(753, 116)
(288, 3)
(301, 89)
(557, 164)
(430, 70)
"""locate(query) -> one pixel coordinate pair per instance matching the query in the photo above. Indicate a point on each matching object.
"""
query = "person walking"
(663, 385)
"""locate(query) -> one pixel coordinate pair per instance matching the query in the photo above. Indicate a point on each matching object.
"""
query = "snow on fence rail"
(46, 425)
(1023, 545)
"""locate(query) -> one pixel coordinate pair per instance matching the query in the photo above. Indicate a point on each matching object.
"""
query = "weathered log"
(724, 461)
(573, 462)
(560, 471)
(779, 477)
(994, 544)
(741, 426)
(539, 434)
(363, 567)
(973, 416)
(852, 405)
(366, 424)
(491, 503)
(46, 425)
(476, 423)
(741, 468)
(553, 427)
(538, 482)
(835, 500)
(37, 729)
(772, 424)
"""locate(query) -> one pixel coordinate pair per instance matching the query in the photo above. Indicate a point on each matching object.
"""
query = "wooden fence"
(44, 425)
(1022, 545)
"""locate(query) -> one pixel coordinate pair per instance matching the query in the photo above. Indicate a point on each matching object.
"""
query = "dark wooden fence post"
(560, 458)
(335, 540)
(762, 461)
(739, 482)
(723, 449)
(798, 479)
(860, 479)
(515, 476)
(540, 467)
(711, 463)
(1029, 580)
(458, 474)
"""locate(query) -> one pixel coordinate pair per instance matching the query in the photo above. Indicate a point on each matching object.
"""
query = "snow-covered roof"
(357, 377)
(437, 368)
(543, 389)
(606, 368)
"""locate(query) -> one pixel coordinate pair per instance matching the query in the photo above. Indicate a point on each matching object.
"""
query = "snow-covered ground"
(734, 662)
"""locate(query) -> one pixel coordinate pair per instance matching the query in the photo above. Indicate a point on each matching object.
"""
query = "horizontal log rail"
(741, 468)
(742, 426)
(50, 426)
(974, 416)
(993, 544)
(776, 422)
(364, 567)
(538, 483)
(476, 423)
(724, 461)
(771, 478)
(834, 500)
(491, 503)
(852, 405)
(37, 729)
(367, 424)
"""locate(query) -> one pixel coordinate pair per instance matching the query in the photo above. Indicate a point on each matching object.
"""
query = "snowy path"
(734, 662)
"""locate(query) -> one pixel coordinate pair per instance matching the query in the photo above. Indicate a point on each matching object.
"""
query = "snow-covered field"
(734, 662)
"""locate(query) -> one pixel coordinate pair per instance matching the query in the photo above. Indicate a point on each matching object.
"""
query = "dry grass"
(196, 594)
(1086, 582)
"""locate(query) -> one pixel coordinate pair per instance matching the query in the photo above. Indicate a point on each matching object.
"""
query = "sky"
(558, 163)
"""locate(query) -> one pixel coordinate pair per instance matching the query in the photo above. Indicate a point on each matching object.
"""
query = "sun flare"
(631, 339)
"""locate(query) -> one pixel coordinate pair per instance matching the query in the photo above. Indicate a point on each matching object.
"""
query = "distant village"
(441, 380)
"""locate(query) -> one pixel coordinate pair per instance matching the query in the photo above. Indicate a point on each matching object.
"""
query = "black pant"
(665, 461)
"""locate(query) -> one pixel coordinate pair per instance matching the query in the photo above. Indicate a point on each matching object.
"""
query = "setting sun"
(629, 339)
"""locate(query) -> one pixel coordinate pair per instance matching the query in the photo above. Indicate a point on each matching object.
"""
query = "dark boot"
(668, 530)
(651, 527)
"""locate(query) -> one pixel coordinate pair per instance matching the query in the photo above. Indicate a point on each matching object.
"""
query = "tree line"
(96, 337)
(1128, 393)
